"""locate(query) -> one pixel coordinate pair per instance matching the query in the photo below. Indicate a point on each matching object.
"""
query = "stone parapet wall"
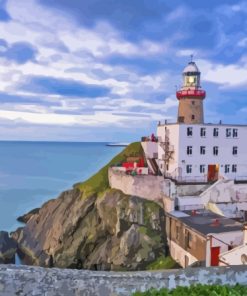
(145, 186)
(26, 281)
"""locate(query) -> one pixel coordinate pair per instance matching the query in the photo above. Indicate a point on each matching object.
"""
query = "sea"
(33, 172)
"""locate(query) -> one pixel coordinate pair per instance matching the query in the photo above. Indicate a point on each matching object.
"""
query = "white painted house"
(193, 151)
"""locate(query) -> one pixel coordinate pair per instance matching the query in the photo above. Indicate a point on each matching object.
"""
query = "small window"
(203, 150)
(227, 168)
(193, 102)
(189, 131)
(216, 132)
(234, 168)
(234, 150)
(215, 150)
(177, 232)
(203, 132)
(167, 167)
(188, 168)
(189, 150)
(235, 133)
(193, 117)
(202, 168)
(228, 132)
(188, 239)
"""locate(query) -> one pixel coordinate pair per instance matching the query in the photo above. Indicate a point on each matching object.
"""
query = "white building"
(193, 151)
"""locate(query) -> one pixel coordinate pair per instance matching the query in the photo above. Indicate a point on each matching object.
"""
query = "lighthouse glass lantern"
(191, 76)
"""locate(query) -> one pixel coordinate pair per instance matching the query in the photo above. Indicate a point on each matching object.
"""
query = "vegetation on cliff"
(198, 290)
(98, 183)
(81, 230)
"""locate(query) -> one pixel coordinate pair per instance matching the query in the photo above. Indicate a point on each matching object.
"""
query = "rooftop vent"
(215, 223)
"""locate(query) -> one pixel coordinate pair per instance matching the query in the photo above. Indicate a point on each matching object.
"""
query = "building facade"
(193, 151)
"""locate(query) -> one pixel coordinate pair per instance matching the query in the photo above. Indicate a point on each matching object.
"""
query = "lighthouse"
(191, 96)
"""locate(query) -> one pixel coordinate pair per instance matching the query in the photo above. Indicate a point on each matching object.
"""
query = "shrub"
(198, 290)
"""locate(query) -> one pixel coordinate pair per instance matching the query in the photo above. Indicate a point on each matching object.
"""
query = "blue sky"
(96, 70)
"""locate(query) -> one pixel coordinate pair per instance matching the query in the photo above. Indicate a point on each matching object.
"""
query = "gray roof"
(191, 67)
(205, 223)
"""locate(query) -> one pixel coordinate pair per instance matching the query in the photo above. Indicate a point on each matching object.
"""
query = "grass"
(163, 263)
(98, 183)
(198, 290)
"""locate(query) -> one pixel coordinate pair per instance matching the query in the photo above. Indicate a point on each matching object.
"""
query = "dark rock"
(25, 218)
(112, 231)
(8, 248)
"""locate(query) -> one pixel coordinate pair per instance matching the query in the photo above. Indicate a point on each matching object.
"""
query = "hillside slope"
(95, 227)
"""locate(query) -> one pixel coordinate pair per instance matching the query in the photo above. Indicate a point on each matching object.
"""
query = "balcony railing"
(188, 179)
(191, 93)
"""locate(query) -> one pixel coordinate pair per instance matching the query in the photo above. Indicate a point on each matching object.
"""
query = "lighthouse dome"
(191, 68)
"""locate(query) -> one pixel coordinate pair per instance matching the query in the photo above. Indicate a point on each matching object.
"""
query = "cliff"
(92, 226)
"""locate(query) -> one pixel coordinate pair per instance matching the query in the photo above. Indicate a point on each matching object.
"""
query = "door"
(213, 172)
(186, 261)
(215, 251)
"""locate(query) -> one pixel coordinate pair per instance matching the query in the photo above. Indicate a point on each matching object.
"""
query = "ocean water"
(34, 172)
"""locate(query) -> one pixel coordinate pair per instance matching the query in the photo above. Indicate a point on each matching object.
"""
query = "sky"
(96, 70)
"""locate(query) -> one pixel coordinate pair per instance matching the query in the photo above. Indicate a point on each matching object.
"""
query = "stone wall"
(26, 281)
(146, 186)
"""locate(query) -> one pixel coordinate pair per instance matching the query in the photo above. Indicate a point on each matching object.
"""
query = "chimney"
(216, 223)
(245, 233)
(193, 212)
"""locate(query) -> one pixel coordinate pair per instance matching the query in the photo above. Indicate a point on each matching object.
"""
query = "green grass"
(98, 183)
(198, 290)
(163, 263)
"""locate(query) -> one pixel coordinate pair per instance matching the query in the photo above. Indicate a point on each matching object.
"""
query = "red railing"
(191, 93)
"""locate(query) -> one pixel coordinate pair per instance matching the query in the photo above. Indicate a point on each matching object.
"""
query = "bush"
(198, 290)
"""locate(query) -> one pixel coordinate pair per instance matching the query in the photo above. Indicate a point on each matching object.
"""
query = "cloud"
(227, 76)
(66, 88)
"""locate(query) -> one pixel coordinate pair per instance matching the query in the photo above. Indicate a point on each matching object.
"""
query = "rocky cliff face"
(7, 248)
(94, 227)
(112, 231)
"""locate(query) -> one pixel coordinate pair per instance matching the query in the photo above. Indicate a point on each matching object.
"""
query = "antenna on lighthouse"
(191, 58)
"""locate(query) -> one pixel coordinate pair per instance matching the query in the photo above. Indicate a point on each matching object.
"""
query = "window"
(177, 232)
(192, 117)
(234, 150)
(189, 131)
(215, 150)
(234, 168)
(189, 150)
(188, 168)
(216, 132)
(227, 168)
(235, 133)
(202, 168)
(202, 150)
(188, 239)
(203, 132)
(193, 102)
(228, 132)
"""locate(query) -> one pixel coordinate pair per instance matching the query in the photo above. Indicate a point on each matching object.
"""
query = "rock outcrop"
(94, 227)
(110, 232)
(8, 248)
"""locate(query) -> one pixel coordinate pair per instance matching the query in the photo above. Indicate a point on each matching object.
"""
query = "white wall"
(180, 140)
(222, 240)
(173, 133)
(233, 257)
(178, 254)
(225, 145)
(150, 149)
(145, 186)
